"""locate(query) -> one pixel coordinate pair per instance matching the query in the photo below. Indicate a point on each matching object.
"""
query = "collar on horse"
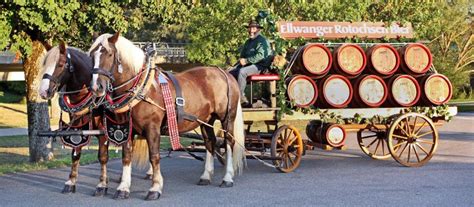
(80, 108)
(141, 85)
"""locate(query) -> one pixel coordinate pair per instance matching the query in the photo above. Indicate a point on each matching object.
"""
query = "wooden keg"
(333, 135)
(350, 60)
(404, 90)
(301, 90)
(383, 60)
(335, 91)
(314, 60)
(437, 89)
(369, 91)
(416, 59)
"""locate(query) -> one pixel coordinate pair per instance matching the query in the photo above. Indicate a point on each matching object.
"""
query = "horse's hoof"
(226, 184)
(152, 195)
(69, 189)
(204, 182)
(121, 195)
(100, 191)
(148, 177)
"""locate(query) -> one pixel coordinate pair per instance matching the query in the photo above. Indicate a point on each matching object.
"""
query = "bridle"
(67, 65)
(101, 71)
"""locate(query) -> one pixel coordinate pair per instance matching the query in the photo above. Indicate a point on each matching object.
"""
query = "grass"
(14, 154)
(19, 112)
(466, 108)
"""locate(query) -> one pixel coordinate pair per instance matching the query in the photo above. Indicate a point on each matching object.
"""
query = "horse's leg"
(103, 155)
(149, 172)
(70, 185)
(228, 181)
(153, 138)
(210, 141)
(123, 190)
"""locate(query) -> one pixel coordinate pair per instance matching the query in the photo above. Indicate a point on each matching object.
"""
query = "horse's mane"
(130, 55)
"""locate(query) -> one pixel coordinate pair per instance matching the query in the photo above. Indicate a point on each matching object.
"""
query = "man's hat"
(253, 23)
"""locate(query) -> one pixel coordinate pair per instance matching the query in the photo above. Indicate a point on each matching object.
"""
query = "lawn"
(14, 115)
(14, 155)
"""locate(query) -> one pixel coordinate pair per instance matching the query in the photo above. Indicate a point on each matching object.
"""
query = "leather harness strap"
(180, 101)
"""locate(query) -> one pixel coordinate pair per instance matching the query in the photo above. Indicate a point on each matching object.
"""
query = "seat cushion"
(264, 77)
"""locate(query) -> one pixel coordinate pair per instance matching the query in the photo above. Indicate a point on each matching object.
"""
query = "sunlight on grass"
(14, 154)
(14, 115)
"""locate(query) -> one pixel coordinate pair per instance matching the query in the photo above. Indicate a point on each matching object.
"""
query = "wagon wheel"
(373, 143)
(287, 145)
(412, 139)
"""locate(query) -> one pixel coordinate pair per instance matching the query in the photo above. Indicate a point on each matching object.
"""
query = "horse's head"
(112, 54)
(57, 70)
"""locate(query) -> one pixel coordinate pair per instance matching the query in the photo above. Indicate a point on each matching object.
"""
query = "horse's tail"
(238, 154)
(140, 154)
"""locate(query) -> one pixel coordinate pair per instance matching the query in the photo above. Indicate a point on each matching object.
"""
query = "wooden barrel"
(404, 90)
(369, 91)
(383, 60)
(335, 91)
(416, 58)
(350, 60)
(333, 135)
(314, 60)
(437, 89)
(301, 90)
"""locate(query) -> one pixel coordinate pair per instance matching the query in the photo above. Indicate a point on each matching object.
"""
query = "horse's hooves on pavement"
(152, 195)
(69, 189)
(204, 182)
(226, 184)
(99, 192)
(122, 195)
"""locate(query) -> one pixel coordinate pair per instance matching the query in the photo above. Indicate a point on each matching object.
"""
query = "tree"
(26, 25)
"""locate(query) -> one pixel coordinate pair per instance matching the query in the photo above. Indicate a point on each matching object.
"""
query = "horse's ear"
(114, 38)
(47, 45)
(95, 35)
(62, 47)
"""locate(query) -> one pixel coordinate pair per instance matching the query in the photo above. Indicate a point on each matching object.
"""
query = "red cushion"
(264, 77)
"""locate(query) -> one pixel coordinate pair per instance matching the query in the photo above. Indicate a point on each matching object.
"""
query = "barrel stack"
(348, 75)
(378, 76)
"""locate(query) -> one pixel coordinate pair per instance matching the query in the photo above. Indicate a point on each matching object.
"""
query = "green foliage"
(71, 21)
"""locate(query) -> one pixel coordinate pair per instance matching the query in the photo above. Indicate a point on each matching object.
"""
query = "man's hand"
(243, 61)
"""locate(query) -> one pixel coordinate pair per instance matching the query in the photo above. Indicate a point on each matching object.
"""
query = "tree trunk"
(38, 117)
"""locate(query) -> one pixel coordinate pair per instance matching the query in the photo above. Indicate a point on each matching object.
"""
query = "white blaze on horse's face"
(95, 76)
(43, 90)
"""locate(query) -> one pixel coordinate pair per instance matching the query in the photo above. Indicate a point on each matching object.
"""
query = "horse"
(209, 93)
(72, 68)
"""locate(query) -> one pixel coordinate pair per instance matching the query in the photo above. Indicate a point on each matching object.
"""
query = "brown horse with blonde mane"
(210, 94)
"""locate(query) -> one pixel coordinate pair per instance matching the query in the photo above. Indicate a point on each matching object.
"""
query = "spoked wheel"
(412, 139)
(287, 145)
(373, 143)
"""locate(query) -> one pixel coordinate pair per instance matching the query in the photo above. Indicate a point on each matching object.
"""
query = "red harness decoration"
(170, 113)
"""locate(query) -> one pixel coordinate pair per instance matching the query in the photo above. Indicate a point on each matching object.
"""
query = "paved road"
(347, 178)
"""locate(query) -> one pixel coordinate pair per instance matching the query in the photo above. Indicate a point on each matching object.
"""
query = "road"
(326, 178)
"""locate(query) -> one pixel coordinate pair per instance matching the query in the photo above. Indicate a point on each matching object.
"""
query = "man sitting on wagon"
(255, 56)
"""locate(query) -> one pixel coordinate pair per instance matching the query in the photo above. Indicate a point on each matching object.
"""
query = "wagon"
(407, 134)
(410, 138)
